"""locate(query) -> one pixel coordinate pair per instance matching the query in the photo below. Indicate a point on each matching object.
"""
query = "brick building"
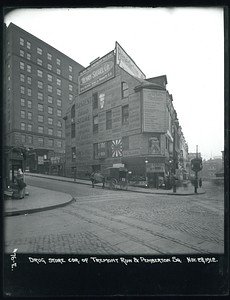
(122, 118)
(40, 84)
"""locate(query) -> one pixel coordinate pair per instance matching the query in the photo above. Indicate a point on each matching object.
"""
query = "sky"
(185, 44)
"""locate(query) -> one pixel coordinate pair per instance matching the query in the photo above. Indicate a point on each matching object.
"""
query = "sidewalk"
(41, 199)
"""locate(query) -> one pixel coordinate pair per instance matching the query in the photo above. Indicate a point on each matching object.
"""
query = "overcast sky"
(185, 44)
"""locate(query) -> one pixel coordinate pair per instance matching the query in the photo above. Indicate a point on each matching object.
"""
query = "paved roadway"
(102, 221)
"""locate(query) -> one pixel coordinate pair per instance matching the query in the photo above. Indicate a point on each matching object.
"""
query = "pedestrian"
(200, 182)
(21, 184)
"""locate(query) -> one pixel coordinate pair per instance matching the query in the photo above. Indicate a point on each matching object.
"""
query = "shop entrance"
(153, 180)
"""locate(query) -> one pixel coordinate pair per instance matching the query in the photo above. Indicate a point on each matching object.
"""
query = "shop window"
(125, 115)
(95, 100)
(109, 119)
(95, 123)
(73, 131)
(124, 90)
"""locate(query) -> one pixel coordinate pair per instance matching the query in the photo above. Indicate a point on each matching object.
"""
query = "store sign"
(97, 73)
(55, 160)
(154, 111)
(155, 168)
(126, 63)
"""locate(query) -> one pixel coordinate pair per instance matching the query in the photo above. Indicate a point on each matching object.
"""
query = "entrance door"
(153, 180)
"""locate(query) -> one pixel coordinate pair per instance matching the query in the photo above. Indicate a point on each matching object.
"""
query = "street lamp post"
(146, 178)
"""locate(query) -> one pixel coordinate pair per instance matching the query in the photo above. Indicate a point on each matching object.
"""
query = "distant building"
(40, 84)
(211, 167)
(122, 118)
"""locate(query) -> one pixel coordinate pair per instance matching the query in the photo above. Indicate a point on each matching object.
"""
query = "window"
(29, 104)
(40, 107)
(109, 119)
(70, 87)
(95, 100)
(50, 121)
(29, 116)
(59, 133)
(28, 44)
(49, 66)
(29, 92)
(59, 124)
(58, 112)
(125, 89)
(22, 77)
(49, 56)
(39, 73)
(58, 92)
(8, 78)
(50, 131)
(23, 138)
(58, 71)
(40, 96)
(39, 61)
(22, 53)
(125, 114)
(72, 130)
(23, 126)
(50, 110)
(23, 102)
(58, 61)
(70, 68)
(22, 89)
(70, 97)
(40, 84)
(30, 139)
(59, 144)
(50, 99)
(29, 127)
(40, 129)
(49, 77)
(21, 41)
(29, 68)
(28, 55)
(41, 141)
(22, 65)
(58, 81)
(23, 114)
(109, 148)
(39, 50)
(58, 102)
(40, 118)
(50, 142)
(50, 88)
(73, 154)
(29, 80)
(95, 123)
(125, 143)
(70, 77)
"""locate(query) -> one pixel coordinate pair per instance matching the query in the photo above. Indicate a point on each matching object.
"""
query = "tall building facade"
(40, 84)
(120, 118)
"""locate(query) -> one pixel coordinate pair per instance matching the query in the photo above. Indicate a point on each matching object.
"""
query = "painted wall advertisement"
(97, 73)
(126, 63)
(154, 111)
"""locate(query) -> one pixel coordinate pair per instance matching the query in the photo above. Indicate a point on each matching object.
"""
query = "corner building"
(121, 119)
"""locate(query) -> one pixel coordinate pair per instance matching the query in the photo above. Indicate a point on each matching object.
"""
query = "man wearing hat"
(21, 184)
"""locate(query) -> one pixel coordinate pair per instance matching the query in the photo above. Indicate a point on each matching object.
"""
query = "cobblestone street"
(116, 222)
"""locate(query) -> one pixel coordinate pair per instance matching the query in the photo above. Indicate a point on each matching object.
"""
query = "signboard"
(126, 63)
(196, 164)
(155, 167)
(154, 111)
(97, 73)
(55, 160)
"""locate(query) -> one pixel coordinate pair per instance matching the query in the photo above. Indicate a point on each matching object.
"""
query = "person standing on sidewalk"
(200, 182)
(21, 184)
